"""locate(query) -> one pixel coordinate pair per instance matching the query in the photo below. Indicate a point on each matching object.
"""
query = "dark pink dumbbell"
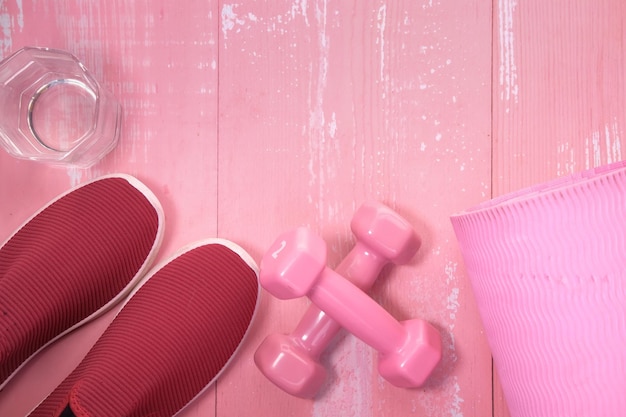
(292, 361)
(295, 266)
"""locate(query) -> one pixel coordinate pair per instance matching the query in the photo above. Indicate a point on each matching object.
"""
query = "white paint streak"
(332, 126)
(597, 154)
(382, 20)
(452, 302)
(569, 167)
(75, 175)
(317, 136)
(452, 306)
(20, 14)
(5, 27)
(612, 146)
(233, 21)
(616, 148)
(300, 6)
(508, 68)
(229, 19)
(455, 408)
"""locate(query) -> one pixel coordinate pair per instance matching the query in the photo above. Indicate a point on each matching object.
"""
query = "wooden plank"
(559, 92)
(160, 60)
(322, 105)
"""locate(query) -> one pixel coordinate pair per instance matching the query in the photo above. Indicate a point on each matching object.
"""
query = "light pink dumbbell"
(292, 361)
(295, 265)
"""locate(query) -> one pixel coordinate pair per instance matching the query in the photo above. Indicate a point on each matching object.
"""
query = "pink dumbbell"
(295, 266)
(292, 361)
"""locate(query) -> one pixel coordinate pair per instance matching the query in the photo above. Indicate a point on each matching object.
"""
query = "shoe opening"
(67, 412)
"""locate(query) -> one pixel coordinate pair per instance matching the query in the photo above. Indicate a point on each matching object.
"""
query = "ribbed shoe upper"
(168, 343)
(69, 261)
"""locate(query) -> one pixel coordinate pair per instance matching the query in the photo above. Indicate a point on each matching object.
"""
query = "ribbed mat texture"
(68, 262)
(548, 269)
(167, 343)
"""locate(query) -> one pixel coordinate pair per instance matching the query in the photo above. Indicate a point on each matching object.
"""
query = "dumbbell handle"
(357, 312)
(316, 328)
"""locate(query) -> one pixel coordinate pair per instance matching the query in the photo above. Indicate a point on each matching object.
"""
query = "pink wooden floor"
(250, 118)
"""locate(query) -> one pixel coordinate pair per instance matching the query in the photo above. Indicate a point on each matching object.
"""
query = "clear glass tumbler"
(53, 110)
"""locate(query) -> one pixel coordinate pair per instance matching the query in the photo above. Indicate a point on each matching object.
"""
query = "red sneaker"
(71, 261)
(178, 330)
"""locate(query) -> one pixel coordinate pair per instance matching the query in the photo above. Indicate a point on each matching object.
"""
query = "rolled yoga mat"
(548, 268)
